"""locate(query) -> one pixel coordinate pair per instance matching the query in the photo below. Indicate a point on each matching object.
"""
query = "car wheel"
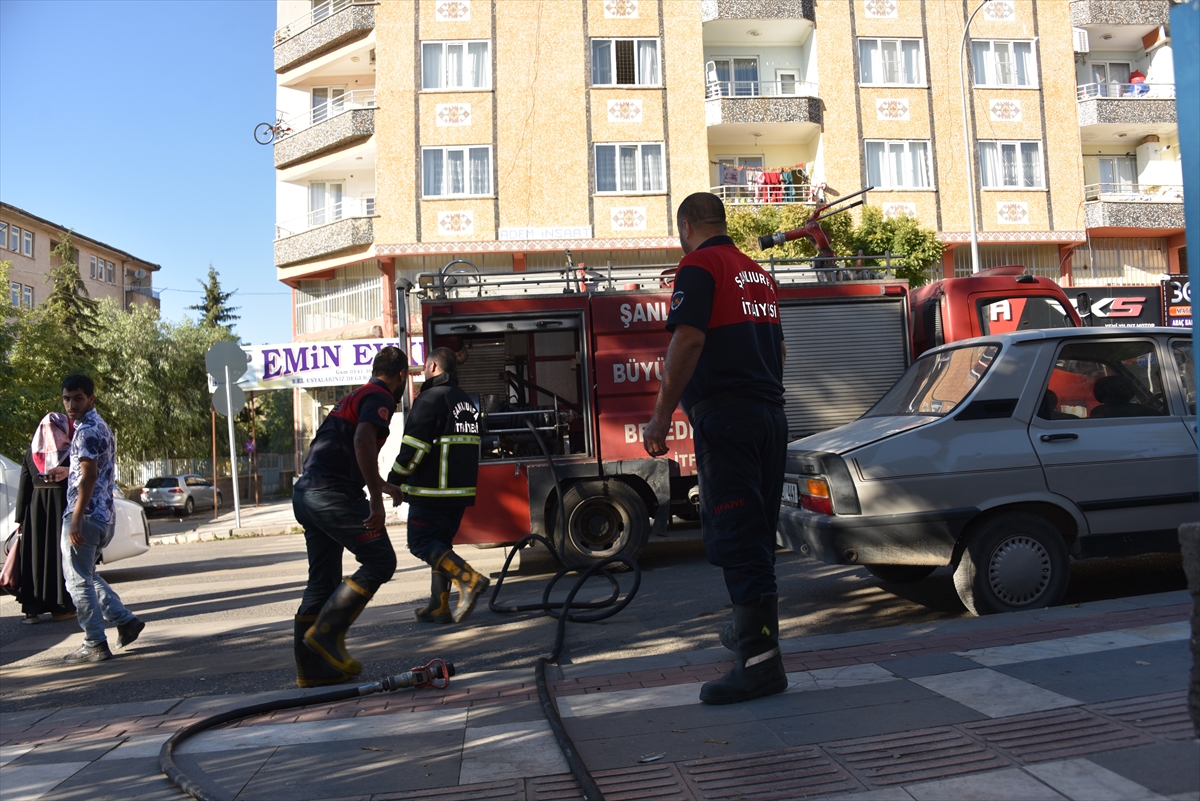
(189, 506)
(1012, 562)
(604, 518)
(900, 574)
(220, 500)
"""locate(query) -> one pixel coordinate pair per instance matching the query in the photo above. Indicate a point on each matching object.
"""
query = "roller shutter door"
(842, 356)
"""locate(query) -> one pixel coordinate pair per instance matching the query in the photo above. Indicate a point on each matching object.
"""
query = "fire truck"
(570, 361)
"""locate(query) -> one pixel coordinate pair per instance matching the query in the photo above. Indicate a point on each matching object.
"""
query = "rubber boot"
(466, 580)
(312, 670)
(327, 636)
(438, 608)
(729, 637)
(759, 667)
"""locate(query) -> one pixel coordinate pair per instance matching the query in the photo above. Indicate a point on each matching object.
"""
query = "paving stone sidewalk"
(1066, 703)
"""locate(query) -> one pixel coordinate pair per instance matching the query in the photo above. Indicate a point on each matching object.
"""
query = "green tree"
(215, 309)
(68, 305)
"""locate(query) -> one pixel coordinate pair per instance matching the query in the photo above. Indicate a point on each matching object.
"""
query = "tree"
(68, 304)
(215, 309)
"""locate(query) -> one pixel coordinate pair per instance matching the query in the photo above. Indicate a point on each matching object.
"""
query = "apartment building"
(416, 132)
(27, 242)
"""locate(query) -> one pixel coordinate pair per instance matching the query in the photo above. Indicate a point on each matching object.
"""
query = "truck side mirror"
(1083, 305)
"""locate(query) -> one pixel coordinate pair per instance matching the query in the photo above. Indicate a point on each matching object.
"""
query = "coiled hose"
(565, 610)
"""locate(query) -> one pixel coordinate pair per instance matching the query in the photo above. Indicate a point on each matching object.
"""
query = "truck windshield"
(937, 383)
(1001, 315)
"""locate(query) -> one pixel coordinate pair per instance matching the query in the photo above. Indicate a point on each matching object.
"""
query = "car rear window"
(936, 383)
(162, 483)
(1001, 315)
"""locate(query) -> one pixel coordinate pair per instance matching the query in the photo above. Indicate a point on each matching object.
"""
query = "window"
(1182, 350)
(111, 272)
(14, 293)
(627, 62)
(1003, 63)
(936, 384)
(728, 173)
(456, 172)
(14, 239)
(1104, 379)
(327, 101)
(733, 76)
(1118, 174)
(92, 267)
(27, 296)
(324, 202)
(1011, 165)
(3, 235)
(891, 62)
(898, 165)
(27, 243)
(630, 168)
(456, 65)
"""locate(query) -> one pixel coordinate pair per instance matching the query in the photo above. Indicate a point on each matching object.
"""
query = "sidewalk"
(271, 517)
(1081, 703)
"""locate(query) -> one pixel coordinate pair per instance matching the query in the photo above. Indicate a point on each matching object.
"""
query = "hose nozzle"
(435, 675)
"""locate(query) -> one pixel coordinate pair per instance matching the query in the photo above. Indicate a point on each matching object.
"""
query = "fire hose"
(437, 673)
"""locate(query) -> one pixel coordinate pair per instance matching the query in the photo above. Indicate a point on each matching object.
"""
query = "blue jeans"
(431, 530)
(740, 453)
(333, 523)
(95, 601)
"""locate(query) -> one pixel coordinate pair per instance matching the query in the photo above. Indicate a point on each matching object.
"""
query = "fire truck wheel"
(604, 518)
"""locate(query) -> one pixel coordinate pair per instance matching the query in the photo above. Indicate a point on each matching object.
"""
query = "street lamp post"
(967, 137)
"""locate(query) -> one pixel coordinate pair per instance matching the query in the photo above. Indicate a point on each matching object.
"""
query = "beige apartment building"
(412, 133)
(27, 242)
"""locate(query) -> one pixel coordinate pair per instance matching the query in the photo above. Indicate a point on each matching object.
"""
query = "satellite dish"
(139, 274)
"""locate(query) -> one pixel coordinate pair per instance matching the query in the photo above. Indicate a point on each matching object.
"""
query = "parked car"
(1006, 456)
(179, 494)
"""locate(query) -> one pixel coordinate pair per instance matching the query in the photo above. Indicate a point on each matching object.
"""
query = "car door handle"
(1058, 437)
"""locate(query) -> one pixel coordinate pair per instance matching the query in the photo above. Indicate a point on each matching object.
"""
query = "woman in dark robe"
(41, 503)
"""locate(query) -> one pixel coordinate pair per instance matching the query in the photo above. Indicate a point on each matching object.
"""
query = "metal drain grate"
(1055, 734)
(492, 791)
(650, 783)
(1164, 715)
(786, 773)
(914, 756)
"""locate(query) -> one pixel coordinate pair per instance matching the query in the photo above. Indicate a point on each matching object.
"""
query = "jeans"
(431, 530)
(333, 523)
(740, 453)
(95, 601)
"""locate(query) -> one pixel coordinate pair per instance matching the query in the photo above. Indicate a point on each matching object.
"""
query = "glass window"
(1104, 379)
(14, 293)
(937, 383)
(28, 297)
(1181, 349)
(891, 62)
(3, 235)
(625, 62)
(630, 168)
(14, 239)
(92, 267)
(898, 165)
(111, 272)
(1003, 63)
(456, 171)
(1011, 165)
(1001, 315)
(456, 65)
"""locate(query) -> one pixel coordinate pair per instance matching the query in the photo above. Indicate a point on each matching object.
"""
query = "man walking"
(88, 525)
(725, 363)
(439, 463)
(328, 501)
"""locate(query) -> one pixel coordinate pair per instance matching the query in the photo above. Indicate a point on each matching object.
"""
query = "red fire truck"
(578, 355)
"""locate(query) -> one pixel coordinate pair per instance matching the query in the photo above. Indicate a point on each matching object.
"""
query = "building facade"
(27, 242)
(504, 133)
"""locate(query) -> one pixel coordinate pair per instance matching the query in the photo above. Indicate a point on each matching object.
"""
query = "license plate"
(791, 493)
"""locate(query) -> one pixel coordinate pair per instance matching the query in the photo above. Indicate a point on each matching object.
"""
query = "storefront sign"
(1111, 306)
(551, 232)
(317, 364)
(1177, 303)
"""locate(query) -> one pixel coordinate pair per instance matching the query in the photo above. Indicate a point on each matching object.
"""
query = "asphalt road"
(219, 617)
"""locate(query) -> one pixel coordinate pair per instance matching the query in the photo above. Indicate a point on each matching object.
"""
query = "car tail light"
(814, 496)
(176, 491)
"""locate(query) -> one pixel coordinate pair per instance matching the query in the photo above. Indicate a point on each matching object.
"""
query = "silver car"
(1006, 456)
(179, 494)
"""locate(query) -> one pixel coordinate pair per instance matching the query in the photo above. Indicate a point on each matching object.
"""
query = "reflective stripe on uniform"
(420, 446)
(444, 492)
(458, 439)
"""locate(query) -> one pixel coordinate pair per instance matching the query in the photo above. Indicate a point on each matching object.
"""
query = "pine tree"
(68, 303)
(215, 309)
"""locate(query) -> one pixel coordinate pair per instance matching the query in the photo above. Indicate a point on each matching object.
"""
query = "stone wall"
(352, 22)
(346, 129)
(1127, 112)
(759, 110)
(1106, 214)
(1120, 12)
(756, 9)
(325, 240)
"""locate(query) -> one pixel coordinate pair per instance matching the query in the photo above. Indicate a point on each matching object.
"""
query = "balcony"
(762, 103)
(326, 231)
(325, 28)
(769, 195)
(1142, 107)
(1085, 13)
(137, 294)
(1125, 205)
(340, 123)
(712, 10)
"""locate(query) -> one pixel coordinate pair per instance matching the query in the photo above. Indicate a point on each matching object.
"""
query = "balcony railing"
(1134, 193)
(362, 98)
(770, 194)
(308, 19)
(737, 89)
(142, 290)
(346, 209)
(1125, 91)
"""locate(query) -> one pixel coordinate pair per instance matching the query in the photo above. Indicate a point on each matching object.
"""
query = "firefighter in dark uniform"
(328, 501)
(725, 363)
(437, 468)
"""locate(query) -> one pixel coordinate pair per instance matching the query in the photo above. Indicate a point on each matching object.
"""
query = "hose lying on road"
(437, 673)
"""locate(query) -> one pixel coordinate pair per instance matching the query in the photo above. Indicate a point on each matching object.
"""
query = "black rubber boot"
(327, 636)
(311, 669)
(438, 608)
(759, 667)
(729, 637)
(470, 584)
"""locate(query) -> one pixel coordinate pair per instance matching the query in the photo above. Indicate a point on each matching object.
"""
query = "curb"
(222, 534)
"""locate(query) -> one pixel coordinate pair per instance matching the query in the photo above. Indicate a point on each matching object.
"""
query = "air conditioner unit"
(369, 206)
(1081, 40)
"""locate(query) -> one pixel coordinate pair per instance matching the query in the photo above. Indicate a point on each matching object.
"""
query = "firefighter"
(328, 501)
(725, 362)
(438, 464)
